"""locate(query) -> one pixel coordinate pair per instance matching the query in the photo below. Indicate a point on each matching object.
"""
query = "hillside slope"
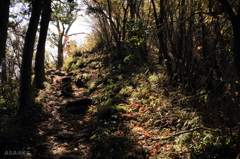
(137, 113)
(99, 109)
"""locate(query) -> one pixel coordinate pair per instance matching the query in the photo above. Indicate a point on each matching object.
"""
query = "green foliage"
(9, 124)
(64, 12)
(10, 127)
(136, 35)
(110, 146)
(129, 59)
(92, 84)
(46, 84)
(74, 62)
(126, 91)
(9, 97)
(69, 63)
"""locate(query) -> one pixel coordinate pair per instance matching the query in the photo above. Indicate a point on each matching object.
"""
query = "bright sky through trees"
(80, 28)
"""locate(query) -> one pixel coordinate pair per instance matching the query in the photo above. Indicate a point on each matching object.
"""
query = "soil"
(61, 130)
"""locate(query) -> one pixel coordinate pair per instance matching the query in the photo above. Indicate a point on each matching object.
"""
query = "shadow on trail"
(64, 128)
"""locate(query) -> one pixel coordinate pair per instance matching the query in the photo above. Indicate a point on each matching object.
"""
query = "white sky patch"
(79, 26)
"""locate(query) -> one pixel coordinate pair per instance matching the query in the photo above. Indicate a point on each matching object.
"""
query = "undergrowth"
(137, 114)
(13, 127)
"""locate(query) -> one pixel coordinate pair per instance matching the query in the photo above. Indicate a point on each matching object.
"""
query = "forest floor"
(114, 111)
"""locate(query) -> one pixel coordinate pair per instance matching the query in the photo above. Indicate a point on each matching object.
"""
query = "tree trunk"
(132, 4)
(39, 61)
(163, 54)
(236, 40)
(26, 68)
(60, 51)
(180, 59)
(236, 51)
(4, 15)
(60, 44)
(235, 20)
(163, 46)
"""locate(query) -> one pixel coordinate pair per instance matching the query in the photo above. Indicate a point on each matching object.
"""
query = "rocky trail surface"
(63, 132)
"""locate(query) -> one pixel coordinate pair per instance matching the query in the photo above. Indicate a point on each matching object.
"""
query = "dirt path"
(64, 131)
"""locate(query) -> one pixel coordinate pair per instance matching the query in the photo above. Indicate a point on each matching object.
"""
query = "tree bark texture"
(26, 67)
(40, 55)
(4, 15)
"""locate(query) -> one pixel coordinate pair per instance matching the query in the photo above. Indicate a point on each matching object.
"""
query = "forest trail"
(138, 86)
(65, 131)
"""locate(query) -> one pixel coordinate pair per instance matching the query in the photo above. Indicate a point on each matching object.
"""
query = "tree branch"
(78, 33)
(183, 132)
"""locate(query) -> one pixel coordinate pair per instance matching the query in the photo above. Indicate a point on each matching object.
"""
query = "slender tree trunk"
(39, 62)
(60, 51)
(4, 15)
(161, 34)
(163, 54)
(180, 60)
(60, 44)
(132, 4)
(125, 18)
(26, 68)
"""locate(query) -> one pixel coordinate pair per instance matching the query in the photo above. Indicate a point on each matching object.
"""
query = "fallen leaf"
(156, 145)
(154, 151)
(129, 115)
(168, 132)
(147, 135)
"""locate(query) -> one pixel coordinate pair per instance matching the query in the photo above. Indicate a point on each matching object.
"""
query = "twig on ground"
(183, 132)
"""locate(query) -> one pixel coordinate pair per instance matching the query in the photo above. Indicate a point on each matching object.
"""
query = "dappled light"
(152, 80)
